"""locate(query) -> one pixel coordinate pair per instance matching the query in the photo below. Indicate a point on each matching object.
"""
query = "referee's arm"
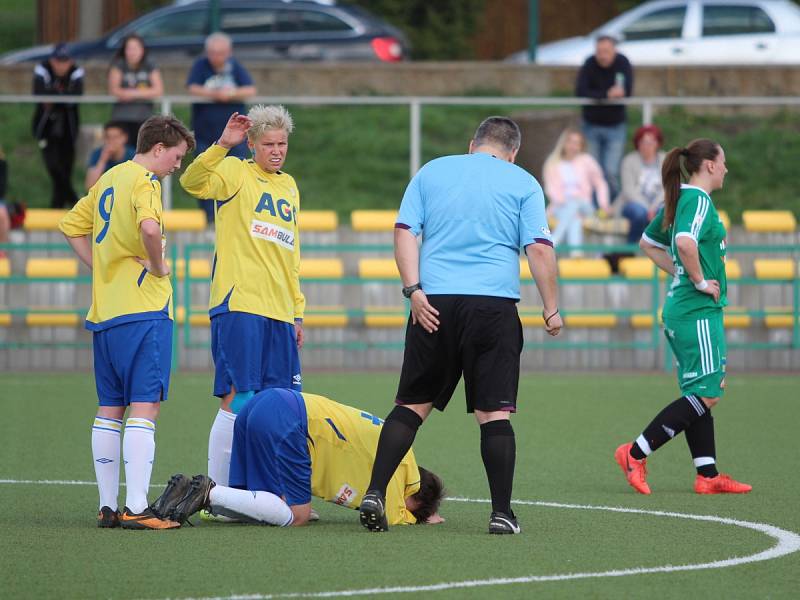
(542, 263)
(406, 255)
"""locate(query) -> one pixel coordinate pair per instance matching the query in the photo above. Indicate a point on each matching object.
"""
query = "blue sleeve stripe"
(335, 430)
(141, 277)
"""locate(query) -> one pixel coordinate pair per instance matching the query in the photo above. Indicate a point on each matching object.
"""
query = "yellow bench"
(321, 268)
(779, 321)
(199, 268)
(43, 219)
(5, 319)
(317, 220)
(184, 220)
(325, 316)
(52, 320)
(583, 268)
(601, 321)
(199, 317)
(5, 267)
(774, 268)
(378, 268)
(733, 270)
(52, 267)
(736, 321)
(639, 267)
(385, 316)
(373, 220)
(769, 221)
(726, 220)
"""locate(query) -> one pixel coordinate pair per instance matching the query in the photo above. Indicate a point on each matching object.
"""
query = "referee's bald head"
(498, 131)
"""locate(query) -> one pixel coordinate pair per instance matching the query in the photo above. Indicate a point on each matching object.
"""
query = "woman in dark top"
(134, 81)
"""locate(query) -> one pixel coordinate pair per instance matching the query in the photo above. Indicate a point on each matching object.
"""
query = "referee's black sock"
(673, 419)
(397, 435)
(499, 453)
(700, 437)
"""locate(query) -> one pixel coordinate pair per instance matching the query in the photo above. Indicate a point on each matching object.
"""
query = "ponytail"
(671, 172)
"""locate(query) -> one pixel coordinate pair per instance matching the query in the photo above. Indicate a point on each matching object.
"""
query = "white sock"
(139, 449)
(642, 442)
(105, 452)
(220, 443)
(258, 506)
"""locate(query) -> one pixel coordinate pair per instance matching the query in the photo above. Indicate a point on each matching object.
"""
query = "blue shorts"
(270, 452)
(132, 362)
(252, 353)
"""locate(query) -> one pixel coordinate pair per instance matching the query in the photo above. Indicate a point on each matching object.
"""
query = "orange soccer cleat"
(721, 484)
(635, 470)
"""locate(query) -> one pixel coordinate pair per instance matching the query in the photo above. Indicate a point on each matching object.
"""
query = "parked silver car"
(691, 32)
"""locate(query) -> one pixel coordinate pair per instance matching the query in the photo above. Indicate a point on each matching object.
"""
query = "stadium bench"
(66, 268)
(726, 220)
(199, 268)
(52, 320)
(199, 317)
(378, 268)
(5, 319)
(385, 316)
(43, 219)
(644, 321)
(734, 319)
(325, 316)
(774, 268)
(583, 268)
(779, 321)
(321, 268)
(733, 270)
(184, 220)
(5, 267)
(639, 267)
(373, 220)
(317, 220)
(769, 221)
(590, 321)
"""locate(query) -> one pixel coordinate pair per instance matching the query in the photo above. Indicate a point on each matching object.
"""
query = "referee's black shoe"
(373, 511)
(501, 523)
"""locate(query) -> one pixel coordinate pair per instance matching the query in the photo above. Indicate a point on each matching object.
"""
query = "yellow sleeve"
(80, 220)
(147, 201)
(299, 297)
(211, 176)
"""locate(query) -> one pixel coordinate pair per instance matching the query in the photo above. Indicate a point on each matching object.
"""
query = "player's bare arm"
(235, 131)
(543, 266)
(82, 247)
(659, 256)
(687, 250)
(151, 239)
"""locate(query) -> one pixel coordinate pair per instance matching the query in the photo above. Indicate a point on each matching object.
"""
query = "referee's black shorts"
(479, 336)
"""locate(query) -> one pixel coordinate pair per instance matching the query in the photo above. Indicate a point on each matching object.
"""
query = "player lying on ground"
(687, 240)
(288, 446)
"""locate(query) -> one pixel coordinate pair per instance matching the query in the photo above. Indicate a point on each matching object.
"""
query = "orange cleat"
(146, 519)
(721, 484)
(635, 470)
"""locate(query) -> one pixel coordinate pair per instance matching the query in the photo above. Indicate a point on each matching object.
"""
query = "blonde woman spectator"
(642, 193)
(571, 178)
(134, 81)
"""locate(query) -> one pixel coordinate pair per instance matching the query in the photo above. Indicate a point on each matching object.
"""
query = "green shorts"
(700, 354)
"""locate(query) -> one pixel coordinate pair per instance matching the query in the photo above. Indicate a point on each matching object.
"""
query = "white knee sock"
(105, 452)
(220, 442)
(258, 506)
(139, 449)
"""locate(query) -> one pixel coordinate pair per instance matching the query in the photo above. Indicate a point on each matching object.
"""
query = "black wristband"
(407, 291)
(547, 319)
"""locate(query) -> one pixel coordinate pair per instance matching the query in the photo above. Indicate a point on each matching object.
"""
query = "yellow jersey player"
(256, 305)
(289, 446)
(117, 230)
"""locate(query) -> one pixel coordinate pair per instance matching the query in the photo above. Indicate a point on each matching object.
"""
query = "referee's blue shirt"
(475, 213)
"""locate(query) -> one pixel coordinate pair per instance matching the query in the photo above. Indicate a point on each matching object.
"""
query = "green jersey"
(695, 218)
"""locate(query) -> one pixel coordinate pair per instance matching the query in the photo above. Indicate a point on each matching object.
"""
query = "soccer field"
(566, 480)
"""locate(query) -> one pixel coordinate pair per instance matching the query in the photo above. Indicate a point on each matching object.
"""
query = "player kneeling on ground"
(288, 446)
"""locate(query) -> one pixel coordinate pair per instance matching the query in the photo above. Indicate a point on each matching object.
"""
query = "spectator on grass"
(220, 78)
(114, 151)
(605, 75)
(571, 177)
(134, 81)
(55, 125)
(642, 193)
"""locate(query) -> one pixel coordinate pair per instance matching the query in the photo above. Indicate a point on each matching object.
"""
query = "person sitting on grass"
(288, 446)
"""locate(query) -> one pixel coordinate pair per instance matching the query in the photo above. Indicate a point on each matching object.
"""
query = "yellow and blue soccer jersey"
(342, 442)
(257, 261)
(111, 213)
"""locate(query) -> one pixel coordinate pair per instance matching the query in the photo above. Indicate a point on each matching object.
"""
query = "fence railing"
(184, 281)
(415, 105)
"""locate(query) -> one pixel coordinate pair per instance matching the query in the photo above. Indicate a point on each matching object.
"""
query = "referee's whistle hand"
(423, 313)
(553, 327)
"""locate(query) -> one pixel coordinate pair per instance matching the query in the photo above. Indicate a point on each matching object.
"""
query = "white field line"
(786, 542)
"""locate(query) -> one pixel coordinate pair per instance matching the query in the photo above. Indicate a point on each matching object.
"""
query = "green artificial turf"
(567, 428)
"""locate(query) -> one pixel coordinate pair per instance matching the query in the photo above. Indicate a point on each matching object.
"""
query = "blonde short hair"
(268, 117)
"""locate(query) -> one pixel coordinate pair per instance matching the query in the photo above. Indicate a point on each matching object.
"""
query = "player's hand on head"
(235, 130)
(423, 313)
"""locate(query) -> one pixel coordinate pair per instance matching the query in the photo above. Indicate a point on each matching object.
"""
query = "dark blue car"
(261, 30)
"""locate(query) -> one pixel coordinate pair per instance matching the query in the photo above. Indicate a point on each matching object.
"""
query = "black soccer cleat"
(107, 518)
(373, 511)
(501, 523)
(176, 489)
(194, 500)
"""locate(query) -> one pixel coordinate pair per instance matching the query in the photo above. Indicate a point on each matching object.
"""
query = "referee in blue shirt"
(475, 213)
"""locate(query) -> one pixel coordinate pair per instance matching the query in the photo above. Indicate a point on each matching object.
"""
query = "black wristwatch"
(407, 291)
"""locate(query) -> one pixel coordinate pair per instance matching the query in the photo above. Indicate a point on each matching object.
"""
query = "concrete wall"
(456, 78)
